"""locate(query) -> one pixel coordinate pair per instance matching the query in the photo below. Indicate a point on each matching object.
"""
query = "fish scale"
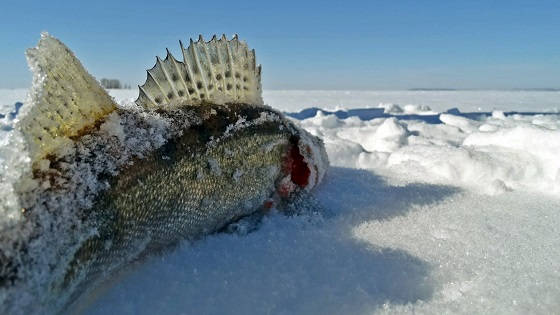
(181, 206)
(110, 185)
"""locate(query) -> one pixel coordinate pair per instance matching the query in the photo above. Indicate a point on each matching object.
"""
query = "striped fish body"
(192, 186)
(109, 185)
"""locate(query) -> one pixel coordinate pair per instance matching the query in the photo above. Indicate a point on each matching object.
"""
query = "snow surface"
(424, 210)
(467, 101)
(439, 101)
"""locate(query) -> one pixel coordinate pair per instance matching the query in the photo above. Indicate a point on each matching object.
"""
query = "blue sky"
(306, 44)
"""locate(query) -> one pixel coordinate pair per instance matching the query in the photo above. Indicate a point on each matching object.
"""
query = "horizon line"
(539, 89)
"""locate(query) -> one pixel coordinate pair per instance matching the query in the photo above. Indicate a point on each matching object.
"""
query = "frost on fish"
(66, 98)
(105, 185)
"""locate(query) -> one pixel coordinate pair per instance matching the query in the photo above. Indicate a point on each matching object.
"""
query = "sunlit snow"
(435, 202)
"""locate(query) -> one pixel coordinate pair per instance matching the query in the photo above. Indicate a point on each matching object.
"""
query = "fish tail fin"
(64, 99)
(219, 71)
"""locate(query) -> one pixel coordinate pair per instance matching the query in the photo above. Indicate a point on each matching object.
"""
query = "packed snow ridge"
(492, 155)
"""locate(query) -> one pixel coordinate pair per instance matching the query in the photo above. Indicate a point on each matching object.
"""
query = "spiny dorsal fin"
(64, 98)
(219, 71)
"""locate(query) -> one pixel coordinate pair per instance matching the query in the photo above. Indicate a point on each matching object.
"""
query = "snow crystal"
(214, 167)
(112, 126)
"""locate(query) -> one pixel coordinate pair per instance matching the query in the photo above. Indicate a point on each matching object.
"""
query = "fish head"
(304, 165)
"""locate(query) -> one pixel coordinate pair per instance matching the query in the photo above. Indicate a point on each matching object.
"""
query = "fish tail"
(64, 100)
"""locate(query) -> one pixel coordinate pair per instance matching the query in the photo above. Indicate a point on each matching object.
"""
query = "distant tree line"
(113, 84)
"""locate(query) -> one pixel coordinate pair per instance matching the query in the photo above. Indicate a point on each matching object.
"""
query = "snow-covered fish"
(106, 184)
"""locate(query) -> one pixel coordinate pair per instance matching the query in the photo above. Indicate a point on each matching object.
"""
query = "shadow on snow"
(372, 113)
(302, 264)
(292, 265)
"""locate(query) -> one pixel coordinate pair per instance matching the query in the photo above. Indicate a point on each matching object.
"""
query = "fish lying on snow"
(106, 184)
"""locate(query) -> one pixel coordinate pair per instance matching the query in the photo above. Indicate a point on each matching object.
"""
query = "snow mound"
(494, 154)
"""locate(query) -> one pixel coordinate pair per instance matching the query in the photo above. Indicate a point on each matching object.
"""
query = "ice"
(425, 210)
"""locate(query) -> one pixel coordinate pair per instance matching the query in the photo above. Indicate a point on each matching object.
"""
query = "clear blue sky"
(305, 44)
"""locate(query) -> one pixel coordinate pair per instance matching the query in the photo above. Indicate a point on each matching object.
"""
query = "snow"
(435, 202)
(491, 155)
(439, 101)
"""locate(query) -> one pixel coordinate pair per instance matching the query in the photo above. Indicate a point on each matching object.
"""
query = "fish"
(108, 184)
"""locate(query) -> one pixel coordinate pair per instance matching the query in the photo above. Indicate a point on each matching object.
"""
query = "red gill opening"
(298, 169)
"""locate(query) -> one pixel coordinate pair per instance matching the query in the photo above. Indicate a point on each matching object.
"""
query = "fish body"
(110, 184)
